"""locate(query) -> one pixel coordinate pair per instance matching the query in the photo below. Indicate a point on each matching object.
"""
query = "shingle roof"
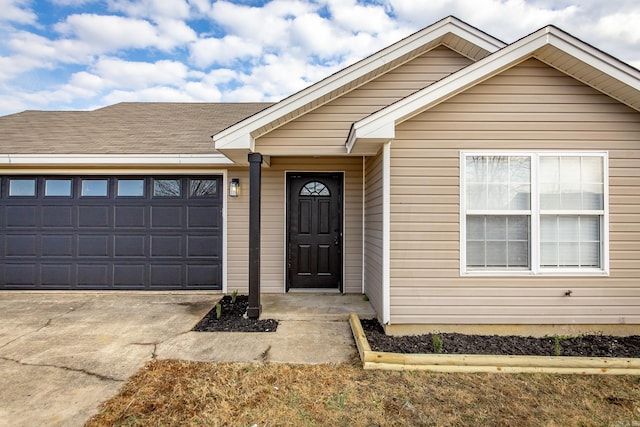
(125, 128)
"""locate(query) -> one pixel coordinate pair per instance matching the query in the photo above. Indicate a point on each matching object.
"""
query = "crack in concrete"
(154, 352)
(46, 325)
(264, 356)
(64, 368)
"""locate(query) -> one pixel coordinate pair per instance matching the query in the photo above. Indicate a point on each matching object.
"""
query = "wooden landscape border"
(488, 363)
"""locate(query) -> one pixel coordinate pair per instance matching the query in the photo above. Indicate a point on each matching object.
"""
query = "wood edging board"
(488, 363)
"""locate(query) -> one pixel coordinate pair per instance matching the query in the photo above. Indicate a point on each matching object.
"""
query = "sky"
(86, 54)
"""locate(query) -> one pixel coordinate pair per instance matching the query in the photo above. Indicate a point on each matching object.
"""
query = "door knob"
(336, 241)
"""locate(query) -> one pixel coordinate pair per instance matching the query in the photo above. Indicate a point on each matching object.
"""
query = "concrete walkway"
(62, 353)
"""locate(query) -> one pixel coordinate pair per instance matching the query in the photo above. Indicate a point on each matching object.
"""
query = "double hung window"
(534, 213)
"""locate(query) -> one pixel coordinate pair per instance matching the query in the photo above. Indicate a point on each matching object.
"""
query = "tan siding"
(373, 240)
(324, 130)
(273, 222)
(529, 107)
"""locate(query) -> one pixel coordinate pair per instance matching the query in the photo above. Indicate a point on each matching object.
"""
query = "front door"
(314, 230)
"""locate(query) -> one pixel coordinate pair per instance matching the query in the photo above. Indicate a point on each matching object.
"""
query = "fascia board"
(235, 141)
(115, 159)
(596, 58)
(228, 138)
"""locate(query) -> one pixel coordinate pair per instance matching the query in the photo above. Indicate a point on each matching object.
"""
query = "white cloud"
(135, 75)
(17, 11)
(110, 33)
(225, 51)
(175, 9)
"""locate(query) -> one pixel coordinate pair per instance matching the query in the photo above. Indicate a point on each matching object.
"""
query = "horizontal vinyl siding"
(324, 130)
(529, 107)
(272, 263)
(373, 232)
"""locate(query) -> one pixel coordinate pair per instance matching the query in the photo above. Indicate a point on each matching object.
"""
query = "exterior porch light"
(234, 187)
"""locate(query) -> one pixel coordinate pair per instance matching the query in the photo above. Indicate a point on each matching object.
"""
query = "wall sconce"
(234, 187)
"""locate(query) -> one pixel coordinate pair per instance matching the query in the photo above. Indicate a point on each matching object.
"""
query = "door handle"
(336, 241)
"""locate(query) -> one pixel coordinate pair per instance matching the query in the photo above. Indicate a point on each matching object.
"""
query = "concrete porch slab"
(314, 306)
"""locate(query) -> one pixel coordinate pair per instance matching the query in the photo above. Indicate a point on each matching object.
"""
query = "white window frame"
(535, 268)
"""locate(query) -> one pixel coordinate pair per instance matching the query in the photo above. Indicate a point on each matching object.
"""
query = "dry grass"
(178, 393)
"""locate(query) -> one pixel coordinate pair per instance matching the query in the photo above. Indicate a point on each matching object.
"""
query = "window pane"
(475, 228)
(57, 187)
(203, 187)
(571, 183)
(518, 254)
(506, 243)
(549, 254)
(166, 188)
(131, 187)
(497, 254)
(568, 254)
(475, 254)
(94, 188)
(590, 255)
(477, 196)
(22, 187)
(518, 228)
(589, 229)
(593, 196)
(570, 241)
(496, 228)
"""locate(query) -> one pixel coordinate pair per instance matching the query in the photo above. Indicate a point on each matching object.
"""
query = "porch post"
(255, 166)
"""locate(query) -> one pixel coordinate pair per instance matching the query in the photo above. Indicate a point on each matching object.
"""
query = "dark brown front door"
(314, 230)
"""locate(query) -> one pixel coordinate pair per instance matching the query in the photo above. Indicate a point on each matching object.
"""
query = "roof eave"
(376, 125)
(242, 135)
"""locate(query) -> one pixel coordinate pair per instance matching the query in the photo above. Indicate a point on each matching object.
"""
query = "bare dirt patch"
(188, 393)
(450, 343)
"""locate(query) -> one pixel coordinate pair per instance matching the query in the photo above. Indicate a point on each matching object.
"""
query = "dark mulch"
(585, 345)
(232, 318)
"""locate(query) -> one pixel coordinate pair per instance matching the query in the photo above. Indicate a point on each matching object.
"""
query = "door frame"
(342, 173)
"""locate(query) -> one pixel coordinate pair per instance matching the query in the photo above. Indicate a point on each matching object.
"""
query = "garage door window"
(22, 187)
(166, 188)
(57, 188)
(95, 187)
(130, 188)
(203, 188)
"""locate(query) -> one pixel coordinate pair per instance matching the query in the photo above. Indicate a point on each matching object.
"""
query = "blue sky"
(85, 54)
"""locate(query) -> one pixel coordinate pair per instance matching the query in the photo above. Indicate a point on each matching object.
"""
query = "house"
(457, 181)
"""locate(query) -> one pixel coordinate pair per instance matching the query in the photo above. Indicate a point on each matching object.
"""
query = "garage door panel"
(129, 275)
(57, 246)
(19, 274)
(57, 216)
(20, 245)
(55, 275)
(93, 275)
(202, 246)
(93, 246)
(167, 217)
(21, 216)
(93, 238)
(203, 217)
(202, 275)
(130, 216)
(166, 246)
(94, 216)
(130, 246)
(167, 275)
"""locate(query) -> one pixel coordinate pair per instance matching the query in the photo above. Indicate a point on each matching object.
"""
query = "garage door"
(111, 232)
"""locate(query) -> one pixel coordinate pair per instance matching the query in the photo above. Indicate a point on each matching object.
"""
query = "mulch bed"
(452, 343)
(232, 318)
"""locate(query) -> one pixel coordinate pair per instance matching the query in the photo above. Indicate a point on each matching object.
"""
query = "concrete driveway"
(64, 353)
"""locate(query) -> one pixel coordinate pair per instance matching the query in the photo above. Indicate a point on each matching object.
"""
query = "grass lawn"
(178, 393)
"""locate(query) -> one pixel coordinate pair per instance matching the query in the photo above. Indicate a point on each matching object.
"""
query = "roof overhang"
(550, 45)
(238, 140)
(116, 160)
